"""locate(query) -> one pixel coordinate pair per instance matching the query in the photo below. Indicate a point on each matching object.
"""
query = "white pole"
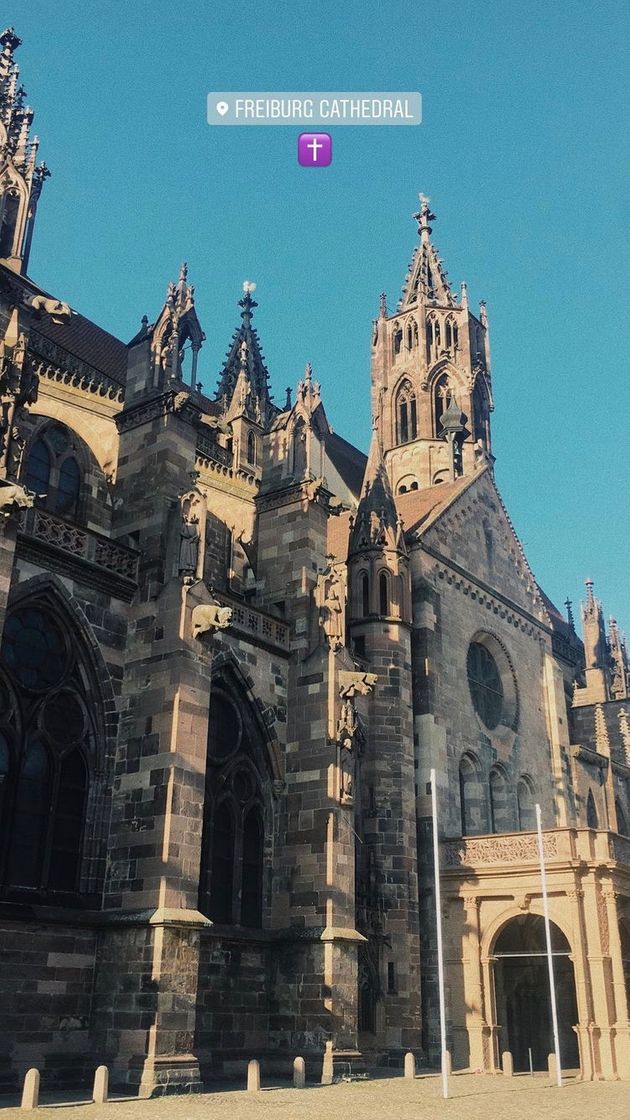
(552, 986)
(438, 920)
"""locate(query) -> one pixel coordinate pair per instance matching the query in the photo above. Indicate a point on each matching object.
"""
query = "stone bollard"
(101, 1083)
(327, 1065)
(448, 1062)
(253, 1076)
(410, 1065)
(299, 1073)
(507, 1064)
(30, 1092)
(552, 1066)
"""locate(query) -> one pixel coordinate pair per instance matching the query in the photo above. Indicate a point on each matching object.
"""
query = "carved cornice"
(52, 362)
(454, 575)
(309, 490)
(174, 402)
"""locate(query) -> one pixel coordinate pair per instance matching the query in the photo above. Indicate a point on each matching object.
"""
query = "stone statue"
(208, 617)
(332, 612)
(188, 546)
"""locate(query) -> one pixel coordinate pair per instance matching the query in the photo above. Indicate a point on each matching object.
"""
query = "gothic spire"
(593, 630)
(426, 279)
(618, 662)
(245, 345)
(377, 523)
(21, 177)
(176, 329)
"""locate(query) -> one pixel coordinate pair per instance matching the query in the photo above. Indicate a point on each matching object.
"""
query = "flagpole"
(552, 986)
(438, 920)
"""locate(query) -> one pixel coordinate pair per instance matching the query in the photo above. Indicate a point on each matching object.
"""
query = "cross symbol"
(313, 146)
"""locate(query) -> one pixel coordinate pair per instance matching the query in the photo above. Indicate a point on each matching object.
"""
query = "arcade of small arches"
(441, 336)
(442, 389)
(493, 804)
(381, 594)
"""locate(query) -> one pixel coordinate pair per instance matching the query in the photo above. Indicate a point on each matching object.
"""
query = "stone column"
(596, 916)
(480, 1057)
(621, 1041)
(582, 986)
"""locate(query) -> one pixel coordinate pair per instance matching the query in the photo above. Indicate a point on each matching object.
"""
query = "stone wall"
(46, 979)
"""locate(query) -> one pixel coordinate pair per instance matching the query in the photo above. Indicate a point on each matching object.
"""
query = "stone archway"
(521, 988)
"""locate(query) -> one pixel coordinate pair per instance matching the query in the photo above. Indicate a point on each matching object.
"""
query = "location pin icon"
(222, 108)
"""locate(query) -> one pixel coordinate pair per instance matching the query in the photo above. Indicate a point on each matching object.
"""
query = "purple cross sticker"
(314, 149)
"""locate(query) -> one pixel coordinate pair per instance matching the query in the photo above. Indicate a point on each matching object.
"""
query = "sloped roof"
(88, 342)
(348, 460)
(339, 535)
(419, 508)
(78, 335)
(559, 622)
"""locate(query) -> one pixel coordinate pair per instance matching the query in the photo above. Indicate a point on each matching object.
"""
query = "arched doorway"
(521, 985)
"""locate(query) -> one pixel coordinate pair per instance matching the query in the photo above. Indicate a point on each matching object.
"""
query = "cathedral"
(256, 644)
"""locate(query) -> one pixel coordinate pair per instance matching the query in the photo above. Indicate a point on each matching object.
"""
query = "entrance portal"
(521, 984)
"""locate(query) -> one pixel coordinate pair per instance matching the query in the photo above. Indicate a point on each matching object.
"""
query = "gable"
(472, 529)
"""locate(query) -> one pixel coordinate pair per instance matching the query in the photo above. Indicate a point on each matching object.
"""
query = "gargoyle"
(208, 617)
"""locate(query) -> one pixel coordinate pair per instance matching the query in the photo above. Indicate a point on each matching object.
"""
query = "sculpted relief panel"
(497, 849)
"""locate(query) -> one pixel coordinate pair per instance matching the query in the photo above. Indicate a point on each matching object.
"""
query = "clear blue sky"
(523, 151)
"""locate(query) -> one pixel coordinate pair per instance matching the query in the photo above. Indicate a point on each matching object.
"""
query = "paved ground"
(474, 1097)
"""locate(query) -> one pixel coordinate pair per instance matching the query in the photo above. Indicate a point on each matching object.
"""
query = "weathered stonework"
(233, 651)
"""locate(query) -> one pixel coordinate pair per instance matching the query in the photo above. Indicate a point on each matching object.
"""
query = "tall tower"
(379, 619)
(21, 177)
(431, 381)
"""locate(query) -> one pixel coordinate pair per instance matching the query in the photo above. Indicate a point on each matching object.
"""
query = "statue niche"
(191, 537)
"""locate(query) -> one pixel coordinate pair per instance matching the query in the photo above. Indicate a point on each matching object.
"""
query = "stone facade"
(233, 650)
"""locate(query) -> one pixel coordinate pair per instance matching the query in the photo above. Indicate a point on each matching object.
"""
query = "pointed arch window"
(52, 471)
(500, 815)
(592, 819)
(46, 742)
(471, 795)
(252, 878)
(441, 396)
(526, 797)
(412, 334)
(233, 840)
(364, 594)
(406, 414)
(251, 448)
(383, 594)
(451, 334)
(223, 854)
(622, 824)
(9, 215)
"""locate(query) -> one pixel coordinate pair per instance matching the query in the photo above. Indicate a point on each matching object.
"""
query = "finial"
(569, 605)
(424, 217)
(383, 305)
(183, 273)
(308, 372)
(247, 302)
(10, 41)
(287, 403)
(589, 590)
